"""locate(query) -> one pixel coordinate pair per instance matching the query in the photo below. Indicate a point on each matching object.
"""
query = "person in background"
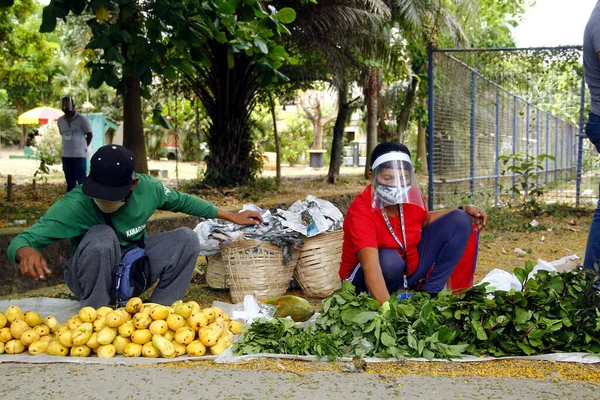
(393, 243)
(105, 217)
(76, 133)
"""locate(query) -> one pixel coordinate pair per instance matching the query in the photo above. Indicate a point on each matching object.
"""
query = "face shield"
(67, 105)
(394, 181)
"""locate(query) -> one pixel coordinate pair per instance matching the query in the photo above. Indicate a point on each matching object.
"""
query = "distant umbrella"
(39, 115)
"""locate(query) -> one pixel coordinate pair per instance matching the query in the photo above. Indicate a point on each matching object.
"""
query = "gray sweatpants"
(172, 257)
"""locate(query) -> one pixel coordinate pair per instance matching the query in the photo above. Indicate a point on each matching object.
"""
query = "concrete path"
(90, 381)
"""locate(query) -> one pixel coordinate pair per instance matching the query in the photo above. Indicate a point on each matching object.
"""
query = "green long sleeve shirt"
(74, 214)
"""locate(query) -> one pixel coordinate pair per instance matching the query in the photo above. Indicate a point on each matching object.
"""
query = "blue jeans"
(592, 249)
(74, 169)
(443, 242)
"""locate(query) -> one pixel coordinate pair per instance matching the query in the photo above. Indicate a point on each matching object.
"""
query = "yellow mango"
(208, 336)
(141, 320)
(132, 350)
(74, 321)
(120, 342)
(159, 312)
(82, 334)
(38, 347)
(170, 335)
(141, 336)
(106, 335)
(124, 313)
(80, 351)
(92, 342)
(165, 347)
(196, 349)
(66, 338)
(88, 314)
(32, 318)
(195, 307)
(220, 347)
(236, 327)
(134, 305)
(102, 311)
(13, 313)
(99, 323)
(51, 323)
(209, 313)
(183, 309)
(148, 350)
(1, 348)
(56, 349)
(180, 349)
(175, 321)
(159, 327)
(42, 330)
(28, 337)
(3, 320)
(46, 338)
(197, 321)
(114, 319)
(5, 335)
(106, 351)
(126, 329)
(14, 347)
(218, 312)
(219, 328)
(185, 335)
(17, 327)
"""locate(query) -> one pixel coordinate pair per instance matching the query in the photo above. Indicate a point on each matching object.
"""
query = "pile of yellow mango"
(138, 329)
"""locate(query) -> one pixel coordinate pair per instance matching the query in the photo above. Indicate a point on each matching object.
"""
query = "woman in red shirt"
(391, 240)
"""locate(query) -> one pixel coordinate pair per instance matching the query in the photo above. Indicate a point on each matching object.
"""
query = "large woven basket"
(319, 263)
(216, 272)
(257, 268)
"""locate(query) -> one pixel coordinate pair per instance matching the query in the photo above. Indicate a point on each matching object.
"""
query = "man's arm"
(32, 263)
(88, 137)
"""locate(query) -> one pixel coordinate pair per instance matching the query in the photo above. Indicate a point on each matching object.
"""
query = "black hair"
(388, 147)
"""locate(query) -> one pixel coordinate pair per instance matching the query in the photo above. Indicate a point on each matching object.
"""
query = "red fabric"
(365, 227)
(462, 276)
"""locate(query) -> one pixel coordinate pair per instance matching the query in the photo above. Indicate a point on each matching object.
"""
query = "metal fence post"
(514, 178)
(472, 140)
(431, 126)
(580, 143)
(537, 145)
(556, 151)
(527, 127)
(547, 144)
(497, 161)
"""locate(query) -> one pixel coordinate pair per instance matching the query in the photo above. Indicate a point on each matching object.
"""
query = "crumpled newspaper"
(311, 217)
(282, 228)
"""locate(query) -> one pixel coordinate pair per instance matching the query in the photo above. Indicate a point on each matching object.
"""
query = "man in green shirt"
(106, 216)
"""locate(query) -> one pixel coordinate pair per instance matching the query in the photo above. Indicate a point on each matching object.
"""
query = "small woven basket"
(257, 268)
(319, 263)
(216, 272)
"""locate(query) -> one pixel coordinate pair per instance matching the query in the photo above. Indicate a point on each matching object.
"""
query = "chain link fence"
(505, 123)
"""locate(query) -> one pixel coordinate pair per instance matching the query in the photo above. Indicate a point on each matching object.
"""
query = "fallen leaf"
(504, 251)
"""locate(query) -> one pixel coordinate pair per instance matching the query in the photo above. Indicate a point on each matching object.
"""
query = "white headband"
(393, 156)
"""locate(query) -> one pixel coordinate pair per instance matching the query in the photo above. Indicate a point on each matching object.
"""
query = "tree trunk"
(228, 96)
(422, 148)
(372, 88)
(133, 128)
(409, 100)
(276, 135)
(338, 133)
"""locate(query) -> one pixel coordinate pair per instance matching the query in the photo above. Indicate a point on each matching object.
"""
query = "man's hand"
(244, 218)
(32, 263)
(477, 215)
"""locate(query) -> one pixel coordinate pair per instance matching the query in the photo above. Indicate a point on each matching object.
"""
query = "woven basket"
(257, 268)
(319, 263)
(216, 272)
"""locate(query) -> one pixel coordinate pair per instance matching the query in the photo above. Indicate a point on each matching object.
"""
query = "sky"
(554, 23)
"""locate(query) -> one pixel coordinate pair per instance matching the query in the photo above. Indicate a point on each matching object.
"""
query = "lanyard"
(387, 221)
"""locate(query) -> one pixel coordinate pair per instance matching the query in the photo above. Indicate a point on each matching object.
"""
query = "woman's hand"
(477, 215)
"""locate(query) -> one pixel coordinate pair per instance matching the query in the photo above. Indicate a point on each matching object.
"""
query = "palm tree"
(229, 90)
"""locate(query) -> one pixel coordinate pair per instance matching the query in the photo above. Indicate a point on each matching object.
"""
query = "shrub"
(49, 144)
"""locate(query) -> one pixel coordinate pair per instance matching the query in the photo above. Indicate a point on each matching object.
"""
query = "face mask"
(109, 207)
(392, 194)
